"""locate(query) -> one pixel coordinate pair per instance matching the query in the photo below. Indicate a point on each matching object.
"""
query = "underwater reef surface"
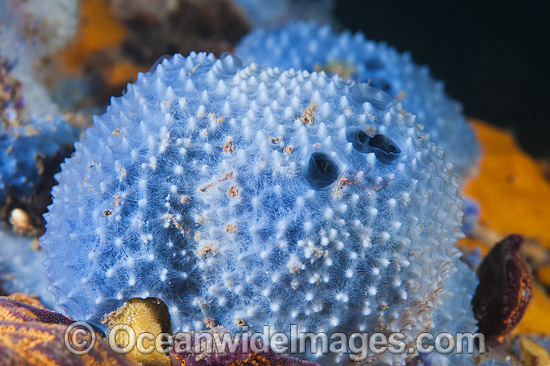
(118, 38)
(257, 196)
(306, 46)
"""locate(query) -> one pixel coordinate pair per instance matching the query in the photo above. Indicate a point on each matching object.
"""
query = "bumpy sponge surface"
(305, 46)
(255, 196)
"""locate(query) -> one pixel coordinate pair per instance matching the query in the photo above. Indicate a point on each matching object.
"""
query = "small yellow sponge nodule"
(143, 316)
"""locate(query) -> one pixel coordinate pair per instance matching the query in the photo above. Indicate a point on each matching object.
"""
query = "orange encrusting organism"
(122, 73)
(99, 30)
(510, 188)
(543, 275)
(536, 319)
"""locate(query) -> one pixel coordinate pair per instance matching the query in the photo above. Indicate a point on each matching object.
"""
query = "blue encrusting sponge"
(255, 196)
(306, 46)
(24, 149)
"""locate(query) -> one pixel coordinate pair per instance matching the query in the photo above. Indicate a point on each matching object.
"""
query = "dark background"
(492, 55)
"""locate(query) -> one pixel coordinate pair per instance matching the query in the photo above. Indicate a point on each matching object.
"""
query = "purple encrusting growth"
(32, 313)
(255, 196)
(306, 46)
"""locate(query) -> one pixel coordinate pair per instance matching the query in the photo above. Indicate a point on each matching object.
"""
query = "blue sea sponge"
(24, 149)
(268, 12)
(305, 46)
(254, 196)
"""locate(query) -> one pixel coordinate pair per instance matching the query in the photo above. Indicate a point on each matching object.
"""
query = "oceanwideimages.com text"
(80, 339)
